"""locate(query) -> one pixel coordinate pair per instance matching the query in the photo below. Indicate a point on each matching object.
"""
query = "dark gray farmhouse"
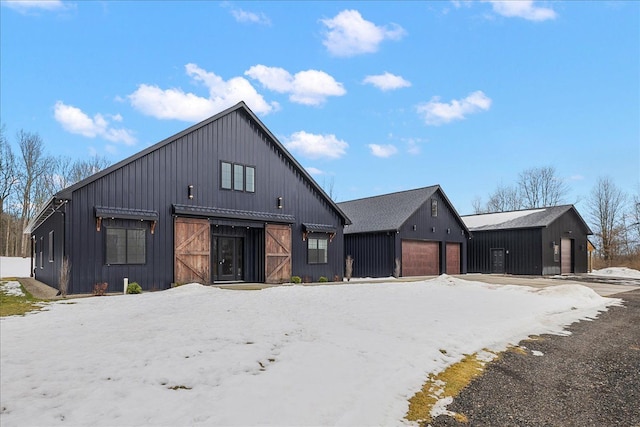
(418, 229)
(543, 241)
(222, 201)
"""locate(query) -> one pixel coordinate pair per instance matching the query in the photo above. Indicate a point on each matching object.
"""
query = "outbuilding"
(410, 233)
(222, 201)
(544, 241)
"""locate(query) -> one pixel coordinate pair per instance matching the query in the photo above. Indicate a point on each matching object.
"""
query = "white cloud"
(250, 17)
(74, 120)
(310, 87)
(386, 81)
(348, 34)
(316, 146)
(522, 9)
(437, 113)
(383, 150)
(175, 104)
(25, 6)
(314, 171)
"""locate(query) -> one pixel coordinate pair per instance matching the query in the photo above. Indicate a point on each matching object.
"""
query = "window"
(434, 207)
(556, 252)
(225, 175)
(41, 250)
(317, 252)
(250, 185)
(51, 246)
(238, 177)
(126, 246)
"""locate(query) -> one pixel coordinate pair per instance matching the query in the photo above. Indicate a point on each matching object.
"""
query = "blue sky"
(374, 97)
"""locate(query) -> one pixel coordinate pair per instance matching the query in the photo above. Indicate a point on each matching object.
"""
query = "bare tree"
(605, 207)
(476, 204)
(34, 165)
(8, 179)
(540, 187)
(504, 198)
(64, 172)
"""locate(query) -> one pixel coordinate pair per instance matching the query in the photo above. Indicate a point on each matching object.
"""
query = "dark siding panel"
(50, 271)
(373, 253)
(522, 251)
(558, 230)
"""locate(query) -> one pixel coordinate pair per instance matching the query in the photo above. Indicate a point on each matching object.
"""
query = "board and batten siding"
(522, 251)
(160, 178)
(558, 230)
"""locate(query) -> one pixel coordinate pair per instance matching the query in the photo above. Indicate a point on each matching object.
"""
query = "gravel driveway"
(590, 378)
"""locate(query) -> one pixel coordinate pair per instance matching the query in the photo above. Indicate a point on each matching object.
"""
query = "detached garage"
(544, 241)
(417, 232)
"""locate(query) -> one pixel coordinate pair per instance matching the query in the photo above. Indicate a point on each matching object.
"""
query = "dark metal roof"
(319, 228)
(388, 212)
(528, 218)
(214, 212)
(123, 213)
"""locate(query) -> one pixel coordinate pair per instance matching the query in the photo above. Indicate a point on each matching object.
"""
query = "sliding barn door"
(278, 253)
(192, 237)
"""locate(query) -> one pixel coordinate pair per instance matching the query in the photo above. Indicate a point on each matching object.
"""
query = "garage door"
(453, 258)
(420, 258)
(565, 256)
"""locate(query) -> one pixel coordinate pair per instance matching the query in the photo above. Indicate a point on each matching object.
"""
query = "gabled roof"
(528, 218)
(389, 212)
(66, 194)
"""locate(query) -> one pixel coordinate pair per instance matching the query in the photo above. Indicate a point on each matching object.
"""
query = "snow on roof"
(476, 221)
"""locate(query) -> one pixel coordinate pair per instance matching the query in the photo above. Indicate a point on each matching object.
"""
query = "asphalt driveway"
(590, 378)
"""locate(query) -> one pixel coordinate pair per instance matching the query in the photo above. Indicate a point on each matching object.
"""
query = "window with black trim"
(434, 207)
(126, 246)
(237, 177)
(317, 250)
(51, 246)
(41, 250)
(225, 175)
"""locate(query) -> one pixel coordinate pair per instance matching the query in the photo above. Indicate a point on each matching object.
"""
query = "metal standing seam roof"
(386, 212)
(529, 218)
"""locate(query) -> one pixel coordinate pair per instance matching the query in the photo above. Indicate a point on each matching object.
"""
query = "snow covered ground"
(297, 355)
(617, 272)
(14, 266)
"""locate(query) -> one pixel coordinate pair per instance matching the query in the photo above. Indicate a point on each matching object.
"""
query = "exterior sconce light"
(448, 231)
(279, 202)
(433, 229)
(190, 191)
(415, 227)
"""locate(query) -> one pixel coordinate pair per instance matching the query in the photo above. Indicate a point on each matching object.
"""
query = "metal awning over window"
(318, 228)
(125, 213)
(234, 214)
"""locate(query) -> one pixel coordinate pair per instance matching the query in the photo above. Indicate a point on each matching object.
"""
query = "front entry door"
(228, 259)
(497, 261)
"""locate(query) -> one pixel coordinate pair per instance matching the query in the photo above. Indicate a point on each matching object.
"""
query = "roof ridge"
(390, 194)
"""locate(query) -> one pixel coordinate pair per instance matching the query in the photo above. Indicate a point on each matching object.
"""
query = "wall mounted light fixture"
(433, 229)
(279, 202)
(190, 191)
(415, 227)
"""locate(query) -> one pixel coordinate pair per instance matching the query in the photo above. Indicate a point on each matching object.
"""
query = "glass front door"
(228, 259)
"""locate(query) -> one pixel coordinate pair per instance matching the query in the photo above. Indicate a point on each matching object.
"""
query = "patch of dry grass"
(16, 305)
(448, 383)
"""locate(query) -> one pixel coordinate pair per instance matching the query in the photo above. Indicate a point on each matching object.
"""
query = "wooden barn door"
(278, 253)
(192, 238)
(566, 249)
(453, 258)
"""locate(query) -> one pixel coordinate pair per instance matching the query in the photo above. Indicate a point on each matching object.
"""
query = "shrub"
(134, 288)
(296, 279)
(323, 279)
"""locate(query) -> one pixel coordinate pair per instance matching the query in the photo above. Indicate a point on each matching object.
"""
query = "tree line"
(612, 214)
(28, 178)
